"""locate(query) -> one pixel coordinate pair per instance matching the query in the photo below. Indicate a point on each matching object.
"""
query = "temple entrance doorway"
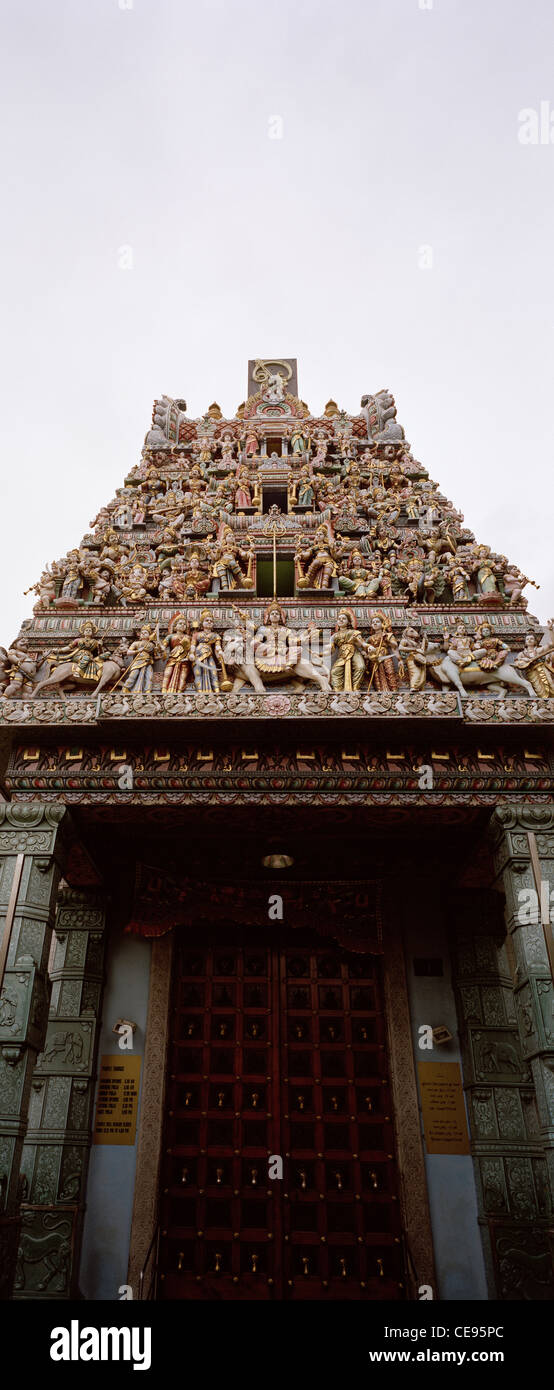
(279, 1179)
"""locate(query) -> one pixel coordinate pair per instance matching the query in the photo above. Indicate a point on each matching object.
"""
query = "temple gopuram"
(276, 879)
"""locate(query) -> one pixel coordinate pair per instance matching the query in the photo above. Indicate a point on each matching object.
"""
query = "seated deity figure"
(166, 546)
(134, 583)
(195, 579)
(412, 571)
(205, 647)
(275, 652)
(536, 663)
(101, 581)
(84, 653)
(46, 586)
(317, 565)
(177, 642)
(170, 508)
(144, 651)
(347, 669)
(489, 651)
(459, 646)
(360, 578)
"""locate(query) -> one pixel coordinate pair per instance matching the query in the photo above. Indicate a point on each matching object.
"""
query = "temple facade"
(277, 882)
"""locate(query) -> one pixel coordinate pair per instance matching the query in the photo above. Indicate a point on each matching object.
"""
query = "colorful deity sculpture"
(229, 562)
(317, 566)
(178, 642)
(205, 651)
(381, 648)
(79, 660)
(144, 651)
(348, 667)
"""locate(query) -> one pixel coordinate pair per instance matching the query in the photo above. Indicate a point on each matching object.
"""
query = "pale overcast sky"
(141, 132)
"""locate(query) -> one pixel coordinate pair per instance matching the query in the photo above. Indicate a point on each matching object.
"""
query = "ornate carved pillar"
(32, 848)
(521, 834)
(56, 1150)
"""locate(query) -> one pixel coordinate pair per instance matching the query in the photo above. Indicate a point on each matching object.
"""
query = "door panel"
(278, 1052)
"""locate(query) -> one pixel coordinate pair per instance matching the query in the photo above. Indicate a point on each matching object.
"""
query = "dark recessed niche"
(428, 965)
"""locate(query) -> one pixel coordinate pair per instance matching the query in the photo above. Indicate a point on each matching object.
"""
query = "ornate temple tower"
(276, 867)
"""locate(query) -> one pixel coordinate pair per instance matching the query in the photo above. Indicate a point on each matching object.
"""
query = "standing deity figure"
(305, 491)
(316, 566)
(204, 648)
(458, 577)
(298, 442)
(485, 569)
(227, 564)
(227, 449)
(320, 455)
(538, 670)
(412, 571)
(73, 581)
(203, 446)
(251, 445)
(347, 670)
(417, 653)
(178, 643)
(243, 495)
(144, 652)
(381, 644)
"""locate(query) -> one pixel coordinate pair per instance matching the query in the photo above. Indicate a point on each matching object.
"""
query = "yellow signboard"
(442, 1103)
(117, 1103)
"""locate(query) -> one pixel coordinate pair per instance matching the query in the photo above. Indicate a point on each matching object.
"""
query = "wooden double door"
(279, 1177)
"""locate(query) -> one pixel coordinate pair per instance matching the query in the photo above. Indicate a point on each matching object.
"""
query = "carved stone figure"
(229, 562)
(347, 670)
(205, 647)
(317, 566)
(273, 653)
(533, 661)
(20, 669)
(482, 662)
(381, 648)
(178, 643)
(81, 660)
(143, 651)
